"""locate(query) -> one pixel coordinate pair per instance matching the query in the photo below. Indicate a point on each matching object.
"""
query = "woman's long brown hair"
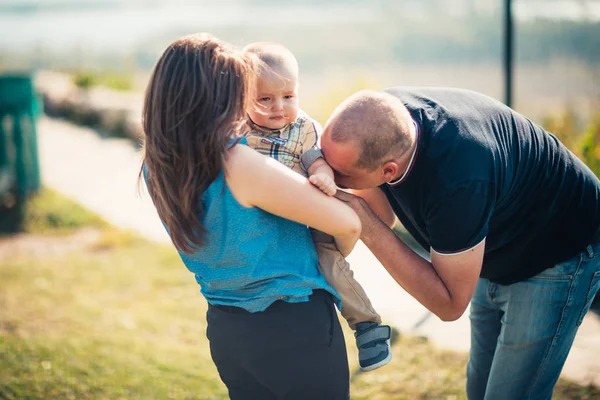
(194, 105)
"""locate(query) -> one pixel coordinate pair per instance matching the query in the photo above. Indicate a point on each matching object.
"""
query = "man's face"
(342, 158)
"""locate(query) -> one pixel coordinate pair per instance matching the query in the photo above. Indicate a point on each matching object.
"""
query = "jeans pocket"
(593, 289)
(563, 271)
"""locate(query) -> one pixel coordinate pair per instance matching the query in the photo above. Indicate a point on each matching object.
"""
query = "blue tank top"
(252, 258)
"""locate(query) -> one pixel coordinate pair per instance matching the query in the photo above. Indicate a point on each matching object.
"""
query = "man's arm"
(377, 201)
(444, 286)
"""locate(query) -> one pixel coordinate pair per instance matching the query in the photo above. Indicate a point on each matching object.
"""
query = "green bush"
(118, 81)
(121, 81)
(585, 143)
(590, 147)
(84, 80)
(565, 127)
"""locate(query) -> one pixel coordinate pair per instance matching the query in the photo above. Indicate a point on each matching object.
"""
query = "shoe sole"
(380, 363)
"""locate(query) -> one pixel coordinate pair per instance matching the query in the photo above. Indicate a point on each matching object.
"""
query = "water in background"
(122, 25)
(341, 45)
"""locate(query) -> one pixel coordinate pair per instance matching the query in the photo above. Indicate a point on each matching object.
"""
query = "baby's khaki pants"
(356, 306)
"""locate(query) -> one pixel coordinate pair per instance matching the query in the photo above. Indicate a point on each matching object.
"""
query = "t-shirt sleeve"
(310, 143)
(459, 220)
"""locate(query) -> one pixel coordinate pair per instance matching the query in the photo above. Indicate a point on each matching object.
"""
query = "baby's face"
(276, 102)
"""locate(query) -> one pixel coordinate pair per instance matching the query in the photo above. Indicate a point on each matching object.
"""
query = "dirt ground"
(40, 246)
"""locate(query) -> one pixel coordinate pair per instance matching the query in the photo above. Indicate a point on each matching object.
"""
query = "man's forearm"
(411, 271)
(445, 289)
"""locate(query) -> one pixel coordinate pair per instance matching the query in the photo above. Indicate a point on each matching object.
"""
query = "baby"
(278, 128)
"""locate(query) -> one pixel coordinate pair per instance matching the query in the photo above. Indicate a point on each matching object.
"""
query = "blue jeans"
(521, 334)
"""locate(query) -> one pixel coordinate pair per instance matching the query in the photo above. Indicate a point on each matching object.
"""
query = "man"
(510, 218)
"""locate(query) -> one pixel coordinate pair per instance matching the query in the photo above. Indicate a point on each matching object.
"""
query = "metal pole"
(508, 52)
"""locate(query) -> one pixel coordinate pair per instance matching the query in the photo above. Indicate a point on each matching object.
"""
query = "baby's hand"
(323, 182)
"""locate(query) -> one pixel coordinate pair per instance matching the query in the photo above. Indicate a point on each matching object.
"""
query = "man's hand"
(367, 217)
(324, 183)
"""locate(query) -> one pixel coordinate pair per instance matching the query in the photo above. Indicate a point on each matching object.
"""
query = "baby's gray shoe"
(373, 342)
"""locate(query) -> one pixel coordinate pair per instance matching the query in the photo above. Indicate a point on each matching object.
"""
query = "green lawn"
(121, 318)
(51, 213)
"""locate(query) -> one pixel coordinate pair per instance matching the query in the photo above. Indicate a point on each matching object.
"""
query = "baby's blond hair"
(274, 56)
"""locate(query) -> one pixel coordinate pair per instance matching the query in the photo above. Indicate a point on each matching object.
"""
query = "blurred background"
(341, 45)
(78, 318)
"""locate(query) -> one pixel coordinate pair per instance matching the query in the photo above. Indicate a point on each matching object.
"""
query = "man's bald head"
(378, 122)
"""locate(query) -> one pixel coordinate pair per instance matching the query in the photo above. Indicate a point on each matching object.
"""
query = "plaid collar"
(266, 131)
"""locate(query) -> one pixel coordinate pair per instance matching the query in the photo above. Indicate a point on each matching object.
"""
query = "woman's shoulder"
(242, 166)
(244, 162)
(236, 140)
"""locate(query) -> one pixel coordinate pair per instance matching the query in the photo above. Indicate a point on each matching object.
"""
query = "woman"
(239, 221)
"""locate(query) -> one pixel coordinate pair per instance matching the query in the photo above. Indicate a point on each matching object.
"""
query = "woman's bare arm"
(259, 181)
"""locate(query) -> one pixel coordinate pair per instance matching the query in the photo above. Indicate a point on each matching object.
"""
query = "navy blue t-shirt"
(483, 171)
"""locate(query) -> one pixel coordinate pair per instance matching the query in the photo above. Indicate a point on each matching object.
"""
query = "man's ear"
(390, 170)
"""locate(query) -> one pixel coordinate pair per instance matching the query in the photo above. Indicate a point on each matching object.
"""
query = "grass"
(122, 318)
(121, 81)
(127, 322)
(50, 213)
(419, 370)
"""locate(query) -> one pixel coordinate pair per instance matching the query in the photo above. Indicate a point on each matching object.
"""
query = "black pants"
(288, 351)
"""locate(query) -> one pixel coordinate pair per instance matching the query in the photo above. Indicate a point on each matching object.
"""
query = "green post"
(19, 165)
